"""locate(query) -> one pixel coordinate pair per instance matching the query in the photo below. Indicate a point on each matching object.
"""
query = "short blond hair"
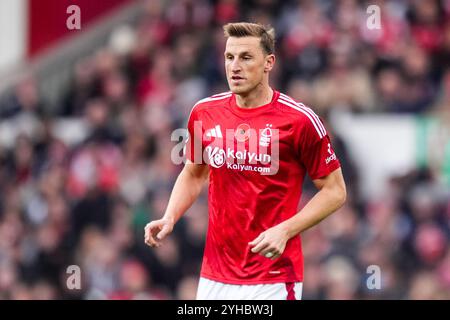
(247, 29)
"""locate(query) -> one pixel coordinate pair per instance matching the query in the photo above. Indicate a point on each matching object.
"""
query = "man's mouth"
(236, 78)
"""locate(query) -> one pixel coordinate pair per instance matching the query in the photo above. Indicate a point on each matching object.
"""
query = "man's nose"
(235, 65)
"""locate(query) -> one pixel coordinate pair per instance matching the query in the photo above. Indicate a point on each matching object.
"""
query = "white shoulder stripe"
(226, 95)
(220, 94)
(311, 112)
(213, 99)
(318, 122)
(293, 106)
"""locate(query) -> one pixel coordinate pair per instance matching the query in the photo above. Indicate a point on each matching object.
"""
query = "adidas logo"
(214, 132)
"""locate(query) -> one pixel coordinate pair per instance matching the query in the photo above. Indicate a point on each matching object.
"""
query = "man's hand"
(156, 231)
(271, 243)
(185, 191)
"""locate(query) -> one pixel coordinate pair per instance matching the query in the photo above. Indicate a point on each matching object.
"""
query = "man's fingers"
(266, 250)
(150, 229)
(276, 256)
(152, 242)
(256, 240)
(163, 233)
(271, 250)
(260, 246)
(149, 240)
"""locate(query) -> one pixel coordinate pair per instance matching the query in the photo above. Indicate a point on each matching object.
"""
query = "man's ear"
(269, 63)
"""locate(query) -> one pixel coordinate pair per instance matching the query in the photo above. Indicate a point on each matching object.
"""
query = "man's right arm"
(185, 191)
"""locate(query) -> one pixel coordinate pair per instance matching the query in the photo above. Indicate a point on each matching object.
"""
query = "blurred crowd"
(86, 203)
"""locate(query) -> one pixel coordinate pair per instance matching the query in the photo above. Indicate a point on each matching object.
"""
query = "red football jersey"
(258, 159)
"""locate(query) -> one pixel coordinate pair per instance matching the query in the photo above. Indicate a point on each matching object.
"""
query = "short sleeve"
(314, 147)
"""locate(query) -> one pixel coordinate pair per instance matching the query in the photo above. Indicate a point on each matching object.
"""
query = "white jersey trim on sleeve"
(306, 113)
(303, 107)
(216, 97)
(220, 94)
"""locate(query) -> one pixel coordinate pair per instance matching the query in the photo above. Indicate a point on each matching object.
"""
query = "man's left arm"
(330, 197)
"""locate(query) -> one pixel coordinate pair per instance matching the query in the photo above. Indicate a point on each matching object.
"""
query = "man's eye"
(247, 58)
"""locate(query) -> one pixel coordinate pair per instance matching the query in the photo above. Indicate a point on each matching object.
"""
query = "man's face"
(245, 63)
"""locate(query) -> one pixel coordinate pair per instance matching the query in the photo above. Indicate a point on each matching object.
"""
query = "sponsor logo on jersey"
(217, 156)
(332, 157)
(259, 153)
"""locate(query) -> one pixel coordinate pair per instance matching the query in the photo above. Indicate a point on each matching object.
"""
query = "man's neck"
(255, 98)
